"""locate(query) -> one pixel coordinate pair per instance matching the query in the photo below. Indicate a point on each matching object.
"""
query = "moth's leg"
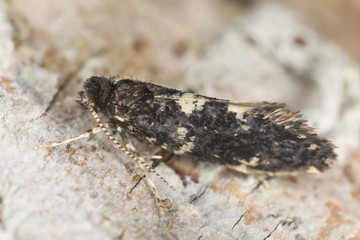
(158, 157)
(86, 134)
(133, 153)
(130, 150)
(129, 146)
(264, 180)
(161, 156)
(153, 157)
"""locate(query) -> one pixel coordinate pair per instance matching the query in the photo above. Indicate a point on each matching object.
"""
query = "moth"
(251, 137)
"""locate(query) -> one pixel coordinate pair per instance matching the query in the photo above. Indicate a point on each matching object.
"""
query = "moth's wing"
(277, 112)
(253, 136)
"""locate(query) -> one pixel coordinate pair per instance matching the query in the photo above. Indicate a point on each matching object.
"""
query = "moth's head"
(97, 90)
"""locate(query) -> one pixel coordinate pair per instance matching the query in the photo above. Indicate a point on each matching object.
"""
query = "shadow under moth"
(251, 137)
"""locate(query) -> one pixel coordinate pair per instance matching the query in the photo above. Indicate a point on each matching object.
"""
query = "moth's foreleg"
(130, 150)
(86, 134)
(135, 154)
(160, 156)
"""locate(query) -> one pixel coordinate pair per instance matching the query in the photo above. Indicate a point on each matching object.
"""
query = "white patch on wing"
(312, 169)
(182, 132)
(162, 107)
(245, 128)
(313, 147)
(190, 103)
(253, 161)
(187, 147)
(240, 168)
(238, 110)
(151, 140)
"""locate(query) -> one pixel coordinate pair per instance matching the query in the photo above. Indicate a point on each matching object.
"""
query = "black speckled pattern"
(267, 137)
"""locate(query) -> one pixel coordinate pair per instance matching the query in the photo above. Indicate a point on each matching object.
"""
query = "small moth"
(252, 137)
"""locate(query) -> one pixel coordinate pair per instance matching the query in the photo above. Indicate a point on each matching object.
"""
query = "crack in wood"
(255, 188)
(70, 76)
(199, 195)
(261, 182)
(62, 87)
(273, 230)
(203, 225)
(282, 222)
(136, 184)
(241, 217)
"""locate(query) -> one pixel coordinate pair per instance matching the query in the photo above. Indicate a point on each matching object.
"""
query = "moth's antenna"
(124, 149)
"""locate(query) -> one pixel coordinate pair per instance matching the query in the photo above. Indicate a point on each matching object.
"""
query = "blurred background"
(335, 20)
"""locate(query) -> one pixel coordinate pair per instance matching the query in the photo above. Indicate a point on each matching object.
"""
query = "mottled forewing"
(256, 137)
